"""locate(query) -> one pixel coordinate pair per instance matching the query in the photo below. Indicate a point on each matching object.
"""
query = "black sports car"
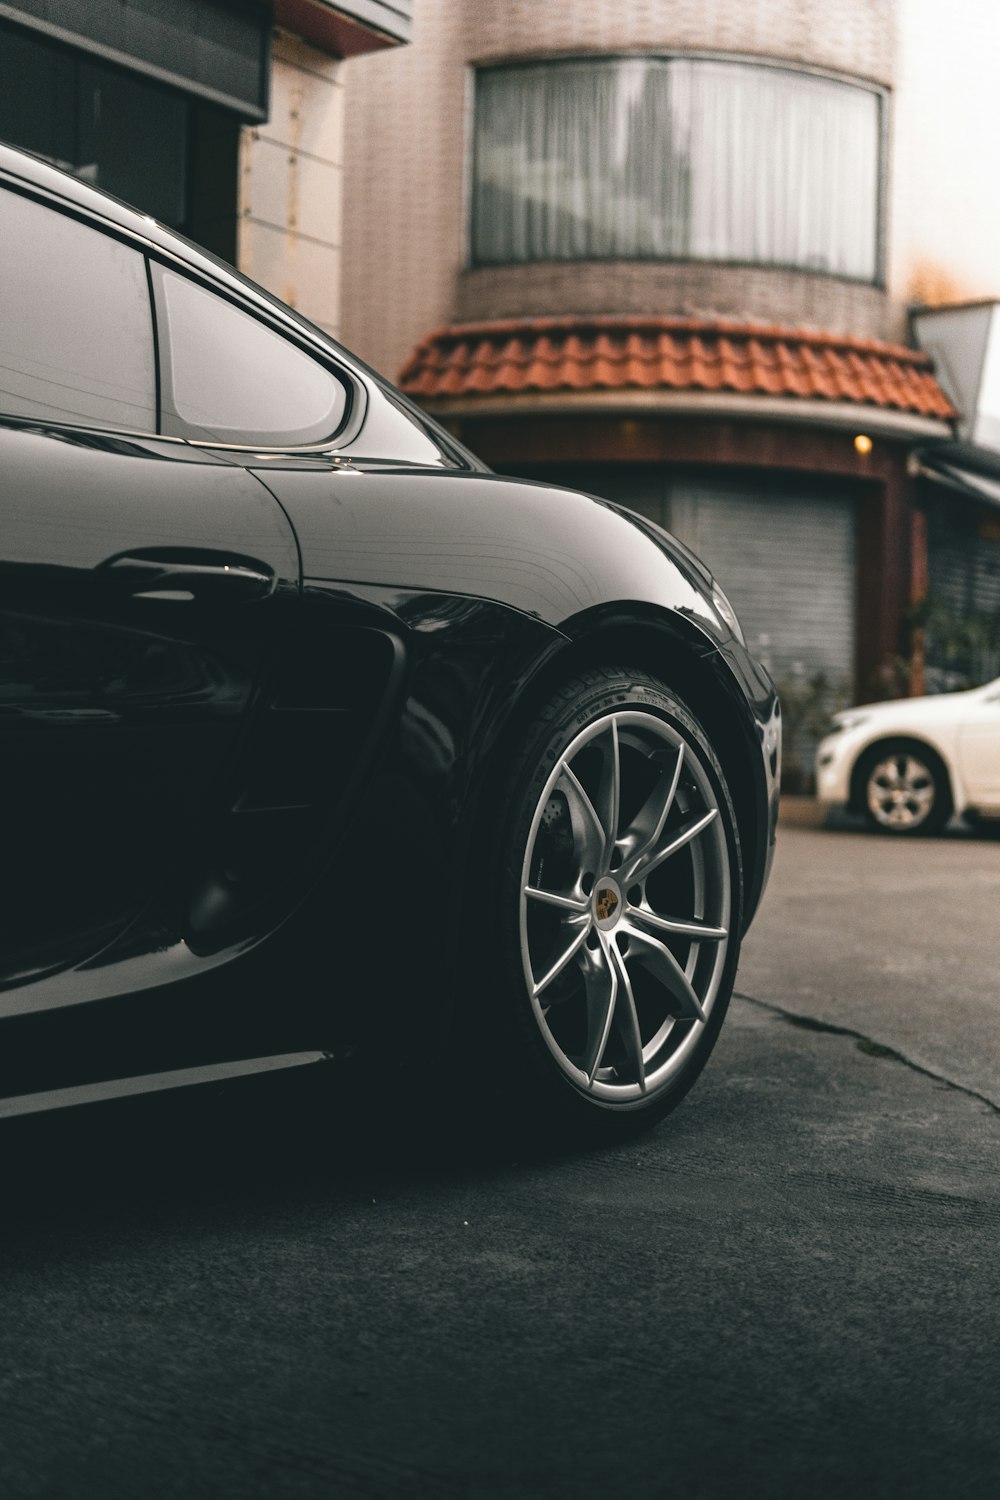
(316, 734)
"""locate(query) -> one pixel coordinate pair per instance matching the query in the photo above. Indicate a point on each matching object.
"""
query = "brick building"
(643, 246)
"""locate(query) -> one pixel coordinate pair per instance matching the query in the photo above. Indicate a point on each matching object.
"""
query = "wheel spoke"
(645, 920)
(555, 898)
(646, 828)
(614, 961)
(645, 866)
(661, 963)
(628, 1018)
(601, 986)
(901, 792)
(579, 938)
(915, 774)
(609, 791)
(588, 831)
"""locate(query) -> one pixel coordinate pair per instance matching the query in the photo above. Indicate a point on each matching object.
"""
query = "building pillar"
(885, 586)
(919, 585)
(290, 191)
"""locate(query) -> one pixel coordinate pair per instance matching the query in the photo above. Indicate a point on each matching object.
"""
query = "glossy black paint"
(254, 706)
(131, 660)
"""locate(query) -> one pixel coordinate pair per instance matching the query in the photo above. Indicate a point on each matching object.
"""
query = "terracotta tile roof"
(517, 356)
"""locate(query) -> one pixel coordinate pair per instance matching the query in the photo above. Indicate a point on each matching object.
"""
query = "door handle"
(188, 574)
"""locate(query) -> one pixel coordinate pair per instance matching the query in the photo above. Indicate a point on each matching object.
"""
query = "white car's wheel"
(904, 788)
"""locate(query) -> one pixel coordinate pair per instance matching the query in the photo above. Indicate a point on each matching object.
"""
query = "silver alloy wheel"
(626, 899)
(901, 791)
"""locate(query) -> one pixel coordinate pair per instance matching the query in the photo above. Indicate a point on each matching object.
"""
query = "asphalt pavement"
(790, 1287)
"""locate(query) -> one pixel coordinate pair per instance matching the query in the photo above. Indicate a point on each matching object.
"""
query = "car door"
(240, 383)
(979, 749)
(145, 591)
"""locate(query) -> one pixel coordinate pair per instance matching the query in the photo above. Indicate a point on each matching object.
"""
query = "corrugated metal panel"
(786, 556)
(963, 569)
(785, 553)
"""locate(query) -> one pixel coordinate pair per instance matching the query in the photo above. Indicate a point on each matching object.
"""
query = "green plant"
(962, 646)
(807, 703)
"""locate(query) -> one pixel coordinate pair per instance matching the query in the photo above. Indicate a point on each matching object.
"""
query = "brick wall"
(852, 36)
(686, 288)
(406, 145)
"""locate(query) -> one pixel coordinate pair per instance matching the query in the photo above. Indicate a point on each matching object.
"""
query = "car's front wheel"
(618, 901)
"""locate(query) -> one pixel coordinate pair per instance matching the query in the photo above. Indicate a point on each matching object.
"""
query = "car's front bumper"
(836, 756)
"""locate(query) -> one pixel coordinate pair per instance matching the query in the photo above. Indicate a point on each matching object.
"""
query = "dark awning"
(973, 471)
(345, 28)
(217, 49)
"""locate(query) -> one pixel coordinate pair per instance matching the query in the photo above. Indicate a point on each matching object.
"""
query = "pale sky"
(945, 228)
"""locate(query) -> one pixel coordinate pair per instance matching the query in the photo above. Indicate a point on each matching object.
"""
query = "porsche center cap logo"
(606, 904)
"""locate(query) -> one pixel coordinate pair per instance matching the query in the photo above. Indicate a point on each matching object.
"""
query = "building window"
(676, 159)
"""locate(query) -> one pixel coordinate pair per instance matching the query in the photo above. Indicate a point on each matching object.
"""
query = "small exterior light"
(863, 443)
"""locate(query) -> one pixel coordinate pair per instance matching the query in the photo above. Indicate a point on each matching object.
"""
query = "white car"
(911, 763)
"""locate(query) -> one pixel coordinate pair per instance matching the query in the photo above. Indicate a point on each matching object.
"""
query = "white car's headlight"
(727, 613)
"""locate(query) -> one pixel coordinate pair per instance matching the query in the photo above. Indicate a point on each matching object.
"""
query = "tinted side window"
(76, 334)
(228, 377)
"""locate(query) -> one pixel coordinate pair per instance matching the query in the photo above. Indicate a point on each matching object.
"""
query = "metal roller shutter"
(786, 556)
(964, 566)
(964, 581)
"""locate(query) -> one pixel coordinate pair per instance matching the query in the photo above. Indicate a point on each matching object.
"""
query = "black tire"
(902, 788)
(549, 1067)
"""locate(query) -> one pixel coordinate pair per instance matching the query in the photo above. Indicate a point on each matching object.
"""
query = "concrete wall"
(406, 147)
(291, 184)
